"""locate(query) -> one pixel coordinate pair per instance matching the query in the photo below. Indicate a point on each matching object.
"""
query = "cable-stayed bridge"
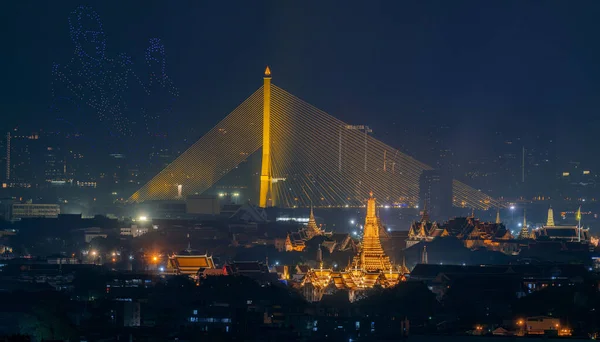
(311, 156)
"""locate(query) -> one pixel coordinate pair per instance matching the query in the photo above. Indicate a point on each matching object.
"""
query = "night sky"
(522, 68)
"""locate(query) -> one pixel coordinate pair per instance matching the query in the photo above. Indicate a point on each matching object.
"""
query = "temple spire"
(371, 256)
(425, 216)
(524, 233)
(424, 259)
(312, 229)
(550, 220)
(498, 216)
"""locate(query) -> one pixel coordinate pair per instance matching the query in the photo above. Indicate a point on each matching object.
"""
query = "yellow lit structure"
(189, 262)
(266, 183)
(371, 266)
(307, 156)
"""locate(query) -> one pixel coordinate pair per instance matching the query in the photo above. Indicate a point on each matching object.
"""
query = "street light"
(352, 222)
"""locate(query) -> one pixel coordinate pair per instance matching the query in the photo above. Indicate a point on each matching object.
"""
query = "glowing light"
(277, 263)
(142, 218)
(131, 257)
(162, 269)
(352, 222)
(235, 194)
(512, 207)
(94, 252)
(389, 229)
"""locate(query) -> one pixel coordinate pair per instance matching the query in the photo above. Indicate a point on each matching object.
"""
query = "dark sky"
(525, 68)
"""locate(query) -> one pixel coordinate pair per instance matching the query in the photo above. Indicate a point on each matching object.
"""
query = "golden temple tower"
(550, 220)
(371, 256)
(266, 184)
(312, 229)
(524, 233)
(498, 221)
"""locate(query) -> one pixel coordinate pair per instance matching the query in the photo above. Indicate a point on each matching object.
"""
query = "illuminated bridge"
(307, 156)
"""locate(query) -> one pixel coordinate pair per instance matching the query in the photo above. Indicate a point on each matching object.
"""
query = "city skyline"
(511, 99)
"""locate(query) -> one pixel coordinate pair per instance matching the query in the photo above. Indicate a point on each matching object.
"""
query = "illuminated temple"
(189, 262)
(370, 266)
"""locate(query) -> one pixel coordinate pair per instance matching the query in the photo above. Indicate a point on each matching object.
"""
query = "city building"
(435, 193)
(30, 210)
(202, 204)
(134, 231)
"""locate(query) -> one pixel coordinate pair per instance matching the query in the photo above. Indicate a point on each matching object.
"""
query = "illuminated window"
(586, 172)
(566, 174)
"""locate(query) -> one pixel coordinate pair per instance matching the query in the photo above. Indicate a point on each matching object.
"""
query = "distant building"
(134, 231)
(472, 231)
(543, 325)
(424, 230)
(6, 205)
(55, 165)
(20, 151)
(190, 262)
(559, 232)
(29, 210)
(296, 241)
(202, 204)
(435, 193)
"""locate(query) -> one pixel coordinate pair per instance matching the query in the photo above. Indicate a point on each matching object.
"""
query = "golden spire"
(498, 216)
(524, 233)
(267, 72)
(550, 220)
(371, 256)
(311, 228)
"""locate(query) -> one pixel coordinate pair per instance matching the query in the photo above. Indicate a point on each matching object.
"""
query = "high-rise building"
(21, 151)
(435, 193)
(55, 165)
